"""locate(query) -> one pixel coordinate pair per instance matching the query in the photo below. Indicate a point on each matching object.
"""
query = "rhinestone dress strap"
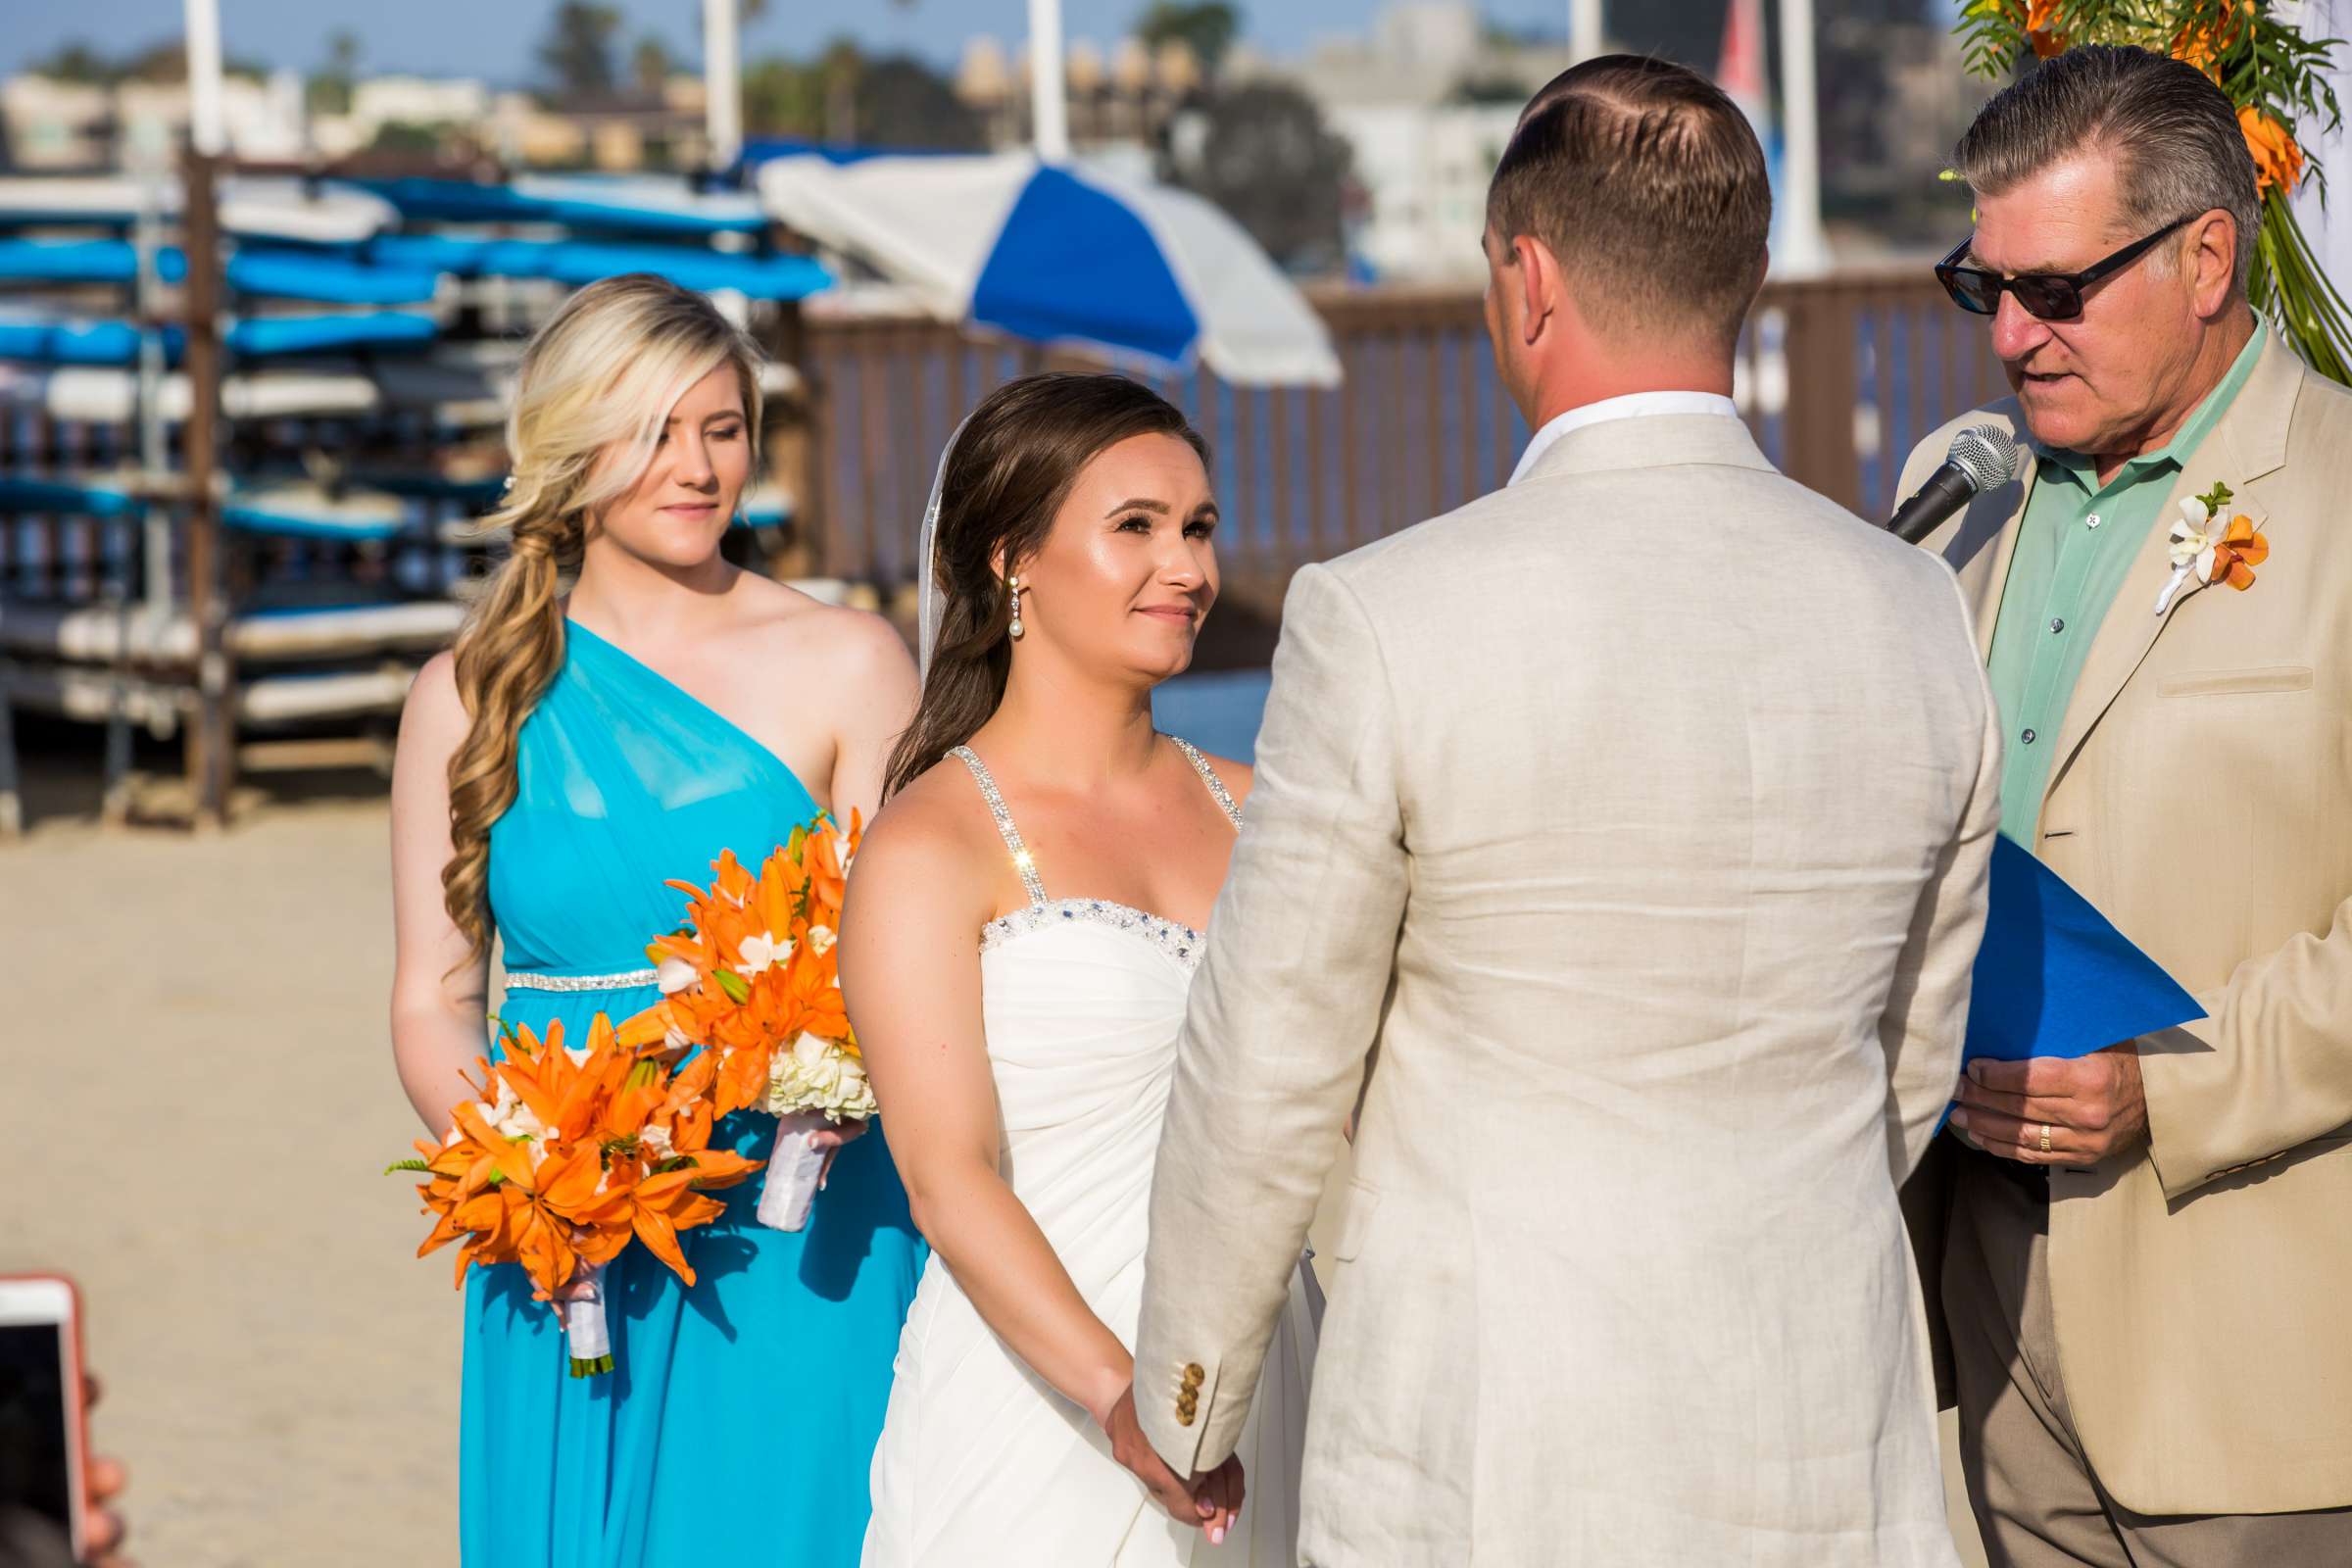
(1022, 861)
(1209, 774)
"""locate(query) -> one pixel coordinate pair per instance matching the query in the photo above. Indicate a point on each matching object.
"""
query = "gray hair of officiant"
(2171, 134)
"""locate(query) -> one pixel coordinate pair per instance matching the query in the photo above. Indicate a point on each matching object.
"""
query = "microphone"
(1982, 457)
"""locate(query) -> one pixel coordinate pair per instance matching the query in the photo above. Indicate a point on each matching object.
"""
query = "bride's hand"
(831, 1140)
(1217, 1499)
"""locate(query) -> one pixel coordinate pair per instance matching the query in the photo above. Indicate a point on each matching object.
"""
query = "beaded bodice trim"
(1179, 942)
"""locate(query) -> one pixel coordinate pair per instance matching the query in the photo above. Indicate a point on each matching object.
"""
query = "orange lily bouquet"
(565, 1156)
(753, 978)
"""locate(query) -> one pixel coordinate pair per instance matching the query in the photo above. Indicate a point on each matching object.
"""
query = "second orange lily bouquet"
(568, 1156)
(753, 978)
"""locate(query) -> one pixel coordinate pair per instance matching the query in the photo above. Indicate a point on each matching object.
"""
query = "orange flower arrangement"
(565, 1156)
(2203, 46)
(2040, 20)
(754, 979)
(2277, 158)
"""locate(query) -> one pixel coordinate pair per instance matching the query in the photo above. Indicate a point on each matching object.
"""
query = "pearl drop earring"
(1013, 585)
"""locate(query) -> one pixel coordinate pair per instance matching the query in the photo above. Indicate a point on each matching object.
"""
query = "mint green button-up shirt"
(2075, 546)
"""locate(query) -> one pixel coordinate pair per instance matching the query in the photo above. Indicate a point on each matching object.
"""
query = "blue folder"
(2053, 978)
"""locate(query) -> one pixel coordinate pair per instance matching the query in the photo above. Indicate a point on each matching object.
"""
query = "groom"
(1618, 851)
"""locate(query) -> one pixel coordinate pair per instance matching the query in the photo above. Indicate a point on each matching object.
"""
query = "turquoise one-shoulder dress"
(739, 1423)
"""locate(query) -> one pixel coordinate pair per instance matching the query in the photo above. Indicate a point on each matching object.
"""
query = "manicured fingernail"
(1217, 1537)
(1959, 1117)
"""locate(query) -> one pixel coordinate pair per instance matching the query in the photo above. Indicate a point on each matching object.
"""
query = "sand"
(281, 1369)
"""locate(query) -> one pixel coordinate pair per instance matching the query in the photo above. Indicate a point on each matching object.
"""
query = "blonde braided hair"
(596, 386)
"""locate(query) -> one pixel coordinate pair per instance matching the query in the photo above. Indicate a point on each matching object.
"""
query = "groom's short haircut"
(1647, 184)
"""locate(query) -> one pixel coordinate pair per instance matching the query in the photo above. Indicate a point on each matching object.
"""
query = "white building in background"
(1424, 171)
(262, 119)
(56, 125)
(1424, 151)
(65, 125)
(380, 100)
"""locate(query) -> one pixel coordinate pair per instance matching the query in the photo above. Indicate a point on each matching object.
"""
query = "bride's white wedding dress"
(980, 1461)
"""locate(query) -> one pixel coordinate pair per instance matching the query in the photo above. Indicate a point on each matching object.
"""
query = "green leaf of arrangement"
(737, 988)
(417, 1165)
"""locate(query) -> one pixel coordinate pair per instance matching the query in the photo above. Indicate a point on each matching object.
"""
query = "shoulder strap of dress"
(1022, 861)
(1209, 775)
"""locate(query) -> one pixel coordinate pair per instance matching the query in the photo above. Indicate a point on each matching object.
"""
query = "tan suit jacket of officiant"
(1629, 826)
(2201, 797)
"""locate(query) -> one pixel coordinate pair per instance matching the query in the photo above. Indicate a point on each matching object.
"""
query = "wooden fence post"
(793, 448)
(211, 732)
(1822, 386)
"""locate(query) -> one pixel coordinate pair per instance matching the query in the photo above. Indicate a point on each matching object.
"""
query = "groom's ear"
(1537, 276)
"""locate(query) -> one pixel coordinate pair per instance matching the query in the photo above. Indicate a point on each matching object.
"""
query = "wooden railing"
(1839, 377)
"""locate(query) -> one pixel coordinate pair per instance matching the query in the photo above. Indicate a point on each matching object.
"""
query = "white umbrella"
(1061, 253)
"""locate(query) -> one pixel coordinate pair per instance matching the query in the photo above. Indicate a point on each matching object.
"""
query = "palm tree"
(649, 65)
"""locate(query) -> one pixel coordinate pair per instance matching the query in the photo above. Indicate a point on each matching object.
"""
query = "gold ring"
(2045, 1137)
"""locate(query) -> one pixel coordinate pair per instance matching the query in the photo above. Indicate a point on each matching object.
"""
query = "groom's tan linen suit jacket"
(1629, 828)
(2201, 797)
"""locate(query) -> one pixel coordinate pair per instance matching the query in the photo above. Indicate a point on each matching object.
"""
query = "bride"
(1024, 920)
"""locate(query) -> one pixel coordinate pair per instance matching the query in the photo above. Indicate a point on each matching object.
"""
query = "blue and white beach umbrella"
(1061, 254)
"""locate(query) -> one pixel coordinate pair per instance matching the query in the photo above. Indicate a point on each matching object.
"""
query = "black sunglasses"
(2045, 296)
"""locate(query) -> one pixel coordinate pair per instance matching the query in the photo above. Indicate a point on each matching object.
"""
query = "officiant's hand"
(2093, 1107)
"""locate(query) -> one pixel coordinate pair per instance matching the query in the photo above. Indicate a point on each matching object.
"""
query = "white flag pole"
(1803, 248)
(722, 83)
(1049, 106)
(1585, 40)
(203, 19)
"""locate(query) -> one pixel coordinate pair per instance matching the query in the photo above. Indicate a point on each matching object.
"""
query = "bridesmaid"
(568, 758)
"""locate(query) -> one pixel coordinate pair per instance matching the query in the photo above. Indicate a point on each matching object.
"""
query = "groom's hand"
(1132, 1448)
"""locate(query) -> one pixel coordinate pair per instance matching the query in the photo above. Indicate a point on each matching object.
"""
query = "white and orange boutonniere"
(2210, 551)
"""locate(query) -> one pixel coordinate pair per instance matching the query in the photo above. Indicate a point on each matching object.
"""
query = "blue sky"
(494, 38)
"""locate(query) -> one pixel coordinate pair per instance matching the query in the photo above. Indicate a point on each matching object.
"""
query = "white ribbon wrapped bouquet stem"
(815, 1084)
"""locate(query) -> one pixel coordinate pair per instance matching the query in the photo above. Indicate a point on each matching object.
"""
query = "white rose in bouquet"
(816, 1084)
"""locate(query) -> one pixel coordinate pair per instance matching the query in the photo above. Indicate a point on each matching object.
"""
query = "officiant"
(2137, 1262)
